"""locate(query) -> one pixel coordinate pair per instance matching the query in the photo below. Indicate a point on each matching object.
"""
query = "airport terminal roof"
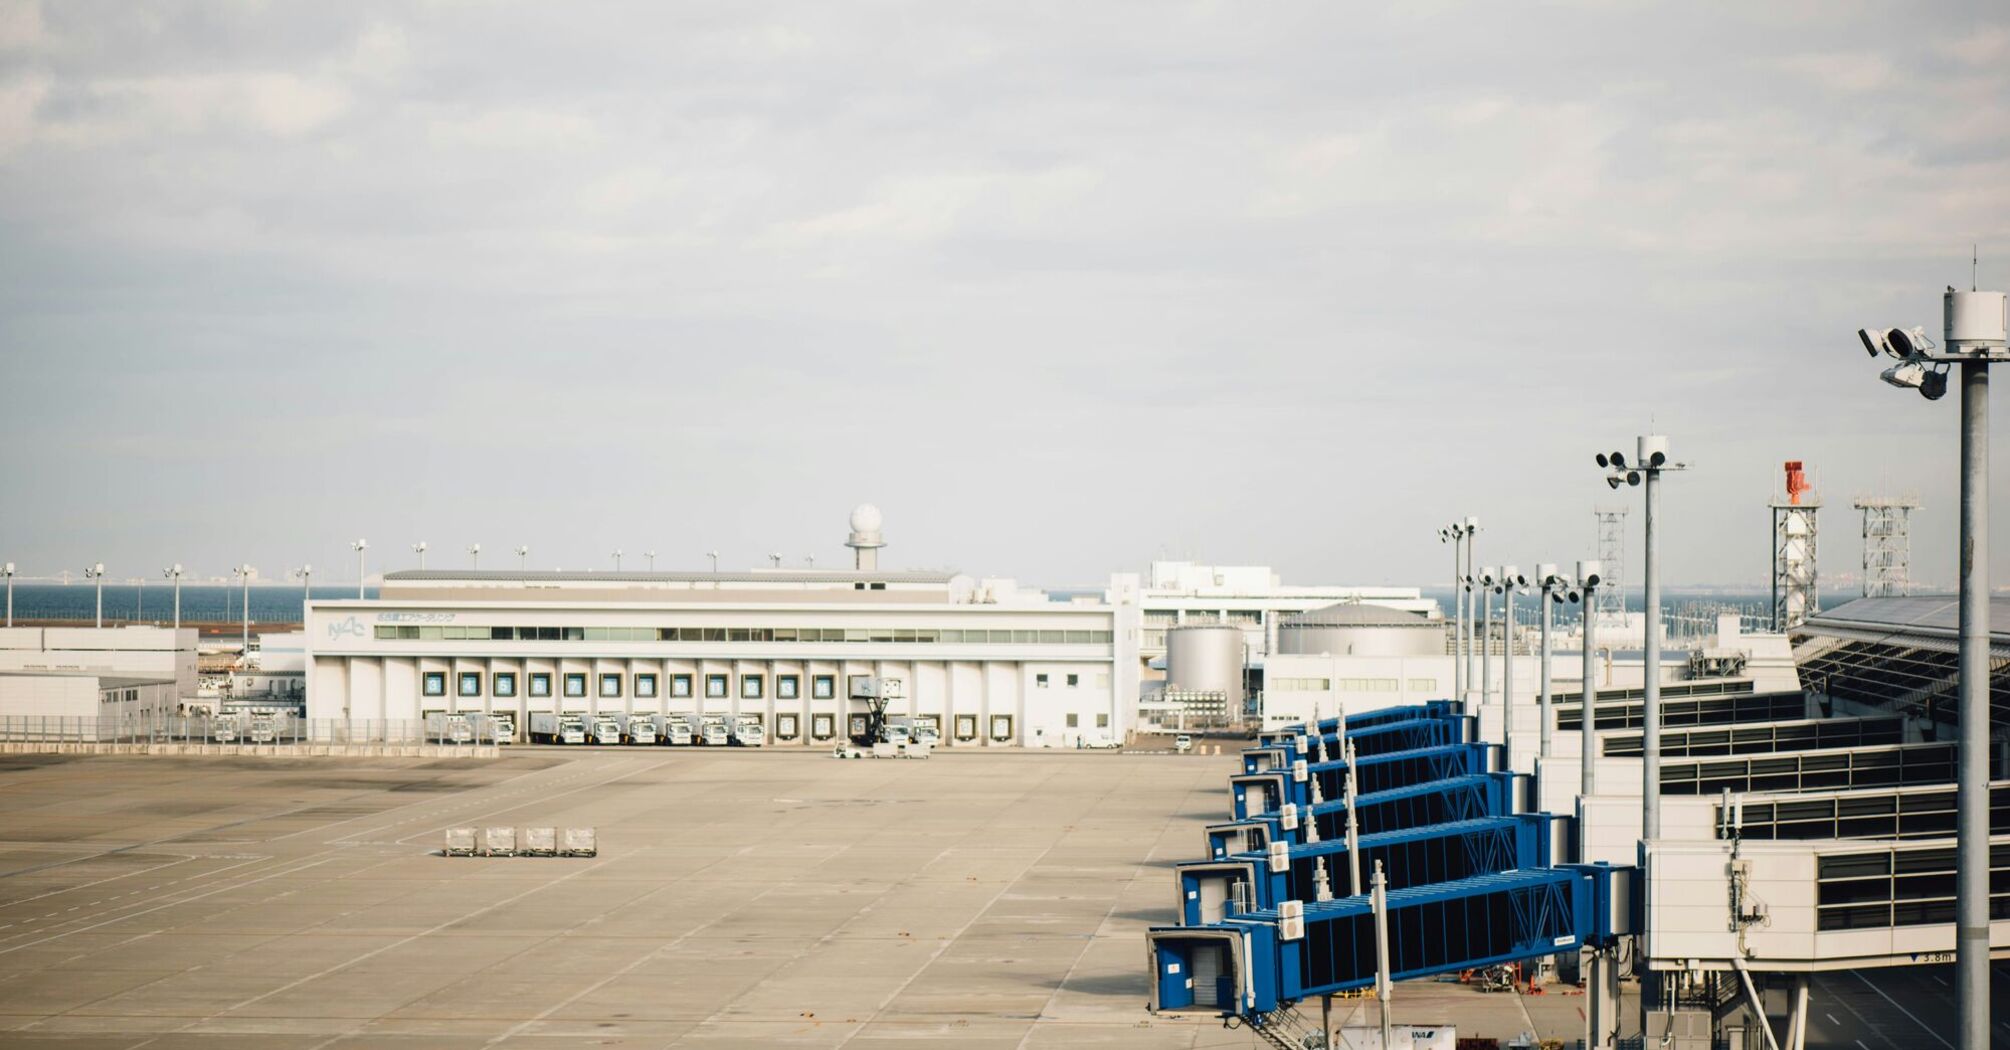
(829, 576)
(1900, 653)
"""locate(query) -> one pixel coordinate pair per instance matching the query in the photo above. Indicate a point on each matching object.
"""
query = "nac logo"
(350, 627)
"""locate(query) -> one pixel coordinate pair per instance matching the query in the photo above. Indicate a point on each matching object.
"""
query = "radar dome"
(865, 518)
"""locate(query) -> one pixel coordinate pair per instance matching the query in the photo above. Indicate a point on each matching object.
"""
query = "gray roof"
(1922, 616)
(779, 576)
(1359, 614)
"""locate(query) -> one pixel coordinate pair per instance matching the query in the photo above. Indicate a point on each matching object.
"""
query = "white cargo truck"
(749, 732)
(549, 728)
(672, 729)
(606, 730)
(223, 729)
(641, 729)
(714, 732)
(444, 728)
(504, 728)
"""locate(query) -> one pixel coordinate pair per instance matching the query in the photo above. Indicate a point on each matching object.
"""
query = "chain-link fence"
(255, 729)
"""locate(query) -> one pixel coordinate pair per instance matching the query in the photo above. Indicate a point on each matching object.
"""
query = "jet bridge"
(1468, 797)
(1271, 790)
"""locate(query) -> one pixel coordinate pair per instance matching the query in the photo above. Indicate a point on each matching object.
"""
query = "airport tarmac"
(739, 899)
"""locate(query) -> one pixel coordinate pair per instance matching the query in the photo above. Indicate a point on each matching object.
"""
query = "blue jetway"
(1212, 890)
(1252, 964)
(1467, 797)
(1271, 790)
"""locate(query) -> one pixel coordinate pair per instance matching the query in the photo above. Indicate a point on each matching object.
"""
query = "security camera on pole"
(174, 573)
(1510, 583)
(1975, 326)
(1554, 589)
(1489, 579)
(1590, 575)
(1650, 460)
(1455, 534)
(97, 572)
(360, 546)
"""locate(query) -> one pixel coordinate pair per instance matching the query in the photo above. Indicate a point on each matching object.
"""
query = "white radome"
(865, 518)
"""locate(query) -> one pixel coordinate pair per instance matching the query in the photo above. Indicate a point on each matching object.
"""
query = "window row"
(406, 632)
(503, 685)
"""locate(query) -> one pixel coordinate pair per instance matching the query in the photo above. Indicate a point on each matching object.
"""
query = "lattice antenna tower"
(1887, 545)
(1609, 602)
(1796, 595)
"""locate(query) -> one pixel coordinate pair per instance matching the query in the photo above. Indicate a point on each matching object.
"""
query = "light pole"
(651, 555)
(360, 546)
(1554, 588)
(1472, 525)
(617, 559)
(475, 556)
(97, 572)
(243, 573)
(1489, 579)
(1512, 582)
(775, 559)
(1650, 460)
(1454, 534)
(174, 573)
(1588, 578)
(306, 574)
(1975, 330)
(522, 558)
(714, 555)
(8, 571)
(419, 549)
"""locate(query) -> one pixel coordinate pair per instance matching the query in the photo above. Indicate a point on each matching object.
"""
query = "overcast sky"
(1061, 287)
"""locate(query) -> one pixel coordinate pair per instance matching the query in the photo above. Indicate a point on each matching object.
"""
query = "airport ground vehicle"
(1101, 741)
(898, 733)
(1183, 743)
(641, 729)
(504, 728)
(749, 732)
(549, 728)
(673, 729)
(223, 730)
(262, 730)
(926, 733)
(606, 730)
(713, 731)
(449, 729)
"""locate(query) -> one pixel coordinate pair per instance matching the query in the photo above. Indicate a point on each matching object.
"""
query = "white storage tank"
(1359, 629)
(1205, 658)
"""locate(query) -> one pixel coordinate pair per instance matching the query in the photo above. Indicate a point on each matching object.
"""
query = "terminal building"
(792, 648)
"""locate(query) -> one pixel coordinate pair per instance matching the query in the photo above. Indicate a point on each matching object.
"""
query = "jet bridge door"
(1211, 986)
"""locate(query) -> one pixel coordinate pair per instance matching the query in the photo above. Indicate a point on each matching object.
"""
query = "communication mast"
(1887, 545)
(1609, 599)
(1795, 597)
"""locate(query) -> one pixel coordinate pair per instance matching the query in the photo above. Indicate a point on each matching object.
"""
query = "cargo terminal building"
(790, 647)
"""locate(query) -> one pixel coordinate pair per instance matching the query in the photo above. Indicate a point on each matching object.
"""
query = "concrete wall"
(127, 652)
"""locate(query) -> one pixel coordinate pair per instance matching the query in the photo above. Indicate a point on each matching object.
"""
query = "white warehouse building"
(786, 646)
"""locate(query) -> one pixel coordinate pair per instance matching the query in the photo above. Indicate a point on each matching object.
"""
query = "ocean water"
(155, 602)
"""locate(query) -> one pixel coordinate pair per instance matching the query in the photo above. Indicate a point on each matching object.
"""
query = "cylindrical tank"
(1353, 629)
(1205, 658)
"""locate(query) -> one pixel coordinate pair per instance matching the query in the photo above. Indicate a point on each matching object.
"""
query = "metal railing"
(249, 730)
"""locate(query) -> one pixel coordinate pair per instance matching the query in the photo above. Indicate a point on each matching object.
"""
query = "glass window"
(645, 685)
(610, 685)
(436, 683)
(1074, 679)
(1040, 680)
(752, 687)
(715, 685)
(823, 686)
(540, 683)
(787, 686)
(505, 683)
(387, 631)
(575, 683)
(501, 634)
(1103, 721)
(471, 683)
(574, 634)
(680, 685)
(1074, 720)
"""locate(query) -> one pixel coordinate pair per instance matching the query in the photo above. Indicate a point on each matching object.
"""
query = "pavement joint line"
(942, 947)
(394, 809)
(1136, 873)
(199, 875)
(373, 953)
(185, 858)
(171, 904)
(1858, 974)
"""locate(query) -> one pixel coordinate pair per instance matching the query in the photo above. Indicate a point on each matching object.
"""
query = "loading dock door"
(1213, 897)
(1207, 976)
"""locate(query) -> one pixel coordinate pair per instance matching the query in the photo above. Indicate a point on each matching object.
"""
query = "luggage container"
(499, 841)
(460, 842)
(540, 842)
(581, 842)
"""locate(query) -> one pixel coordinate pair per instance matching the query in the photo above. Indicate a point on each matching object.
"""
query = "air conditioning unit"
(1291, 920)
(1299, 773)
(1287, 817)
(1280, 856)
